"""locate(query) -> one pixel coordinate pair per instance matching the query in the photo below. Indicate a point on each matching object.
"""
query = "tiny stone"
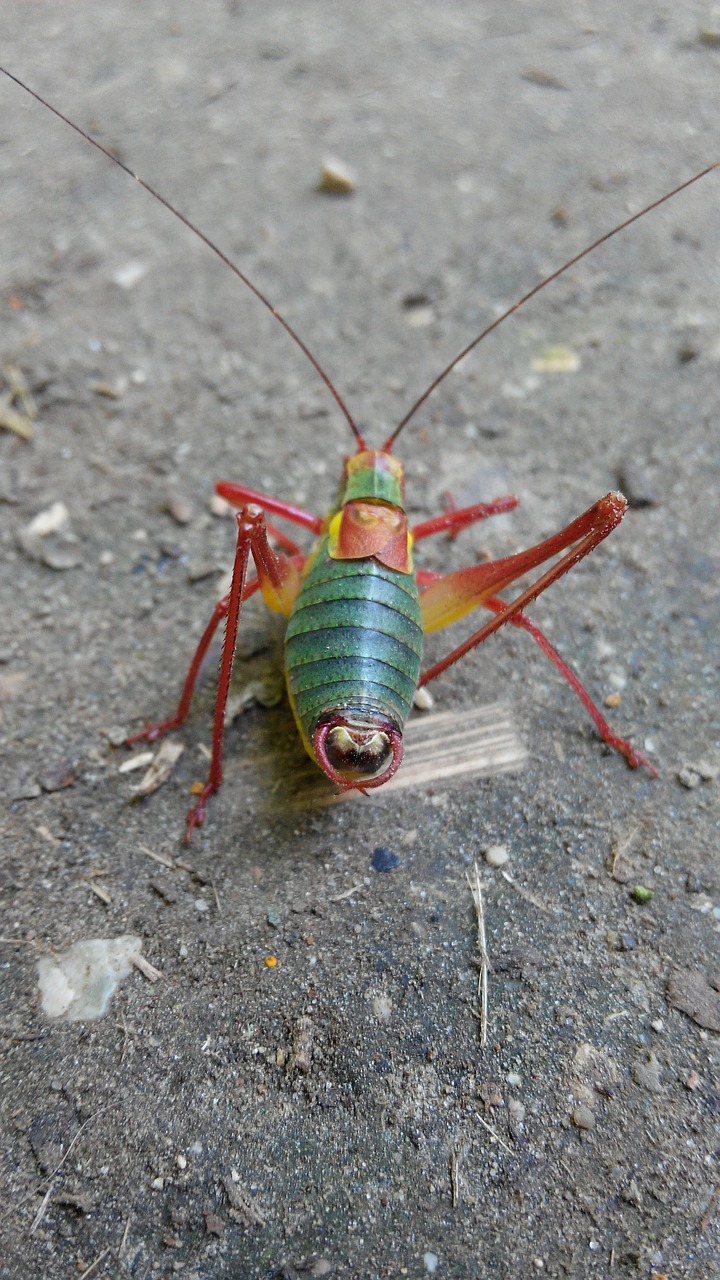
(217, 506)
(516, 1114)
(273, 918)
(321, 1268)
(423, 699)
(201, 905)
(514, 1079)
(431, 1262)
(165, 889)
(179, 508)
(647, 1074)
(116, 735)
(583, 1118)
(658, 1025)
(157, 1184)
(496, 855)
(384, 859)
(181, 1162)
(200, 570)
(692, 1081)
(688, 777)
(613, 700)
(634, 482)
(336, 179)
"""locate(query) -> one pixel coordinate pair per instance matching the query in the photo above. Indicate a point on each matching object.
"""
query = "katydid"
(357, 607)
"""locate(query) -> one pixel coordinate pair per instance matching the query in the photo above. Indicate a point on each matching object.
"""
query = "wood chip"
(140, 761)
(241, 1204)
(144, 967)
(100, 893)
(161, 768)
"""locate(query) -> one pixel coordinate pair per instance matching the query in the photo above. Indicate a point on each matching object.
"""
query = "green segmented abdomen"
(354, 639)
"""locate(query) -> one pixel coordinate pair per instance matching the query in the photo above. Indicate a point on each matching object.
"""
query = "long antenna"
(526, 298)
(210, 244)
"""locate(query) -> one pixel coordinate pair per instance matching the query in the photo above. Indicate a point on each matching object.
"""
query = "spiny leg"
(458, 518)
(152, 732)
(634, 757)
(279, 580)
(446, 599)
(239, 496)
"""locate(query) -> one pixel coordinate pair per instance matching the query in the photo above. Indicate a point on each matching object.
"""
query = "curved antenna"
(210, 244)
(526, 298)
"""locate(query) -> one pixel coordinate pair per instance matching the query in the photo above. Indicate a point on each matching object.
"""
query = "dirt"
(334, 1113)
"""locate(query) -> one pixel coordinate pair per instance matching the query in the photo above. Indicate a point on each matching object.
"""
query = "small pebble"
(273, 918)
(271, 962)
(692, 1081)
(613, 700)
(382, 1008)
(496, 855)
(384, 859)
(201, 905)
(431, 1263)
(336, 179)
(514, 1079)
(647, 1074)
(583, 1118)
(181, 1162)
(423, 699)
(181, 509)
(217, 506)
(157, 1184)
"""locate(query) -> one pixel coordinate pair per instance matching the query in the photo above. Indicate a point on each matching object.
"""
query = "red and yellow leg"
(446, 599)
(278, 577)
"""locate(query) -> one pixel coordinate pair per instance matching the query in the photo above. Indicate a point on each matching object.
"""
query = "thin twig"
(89, 1270)
(495, 1135)
(455, 1177)
(348, 893)
(712, 1205)
(483, 961)
(41, 1211)
(123, 1242)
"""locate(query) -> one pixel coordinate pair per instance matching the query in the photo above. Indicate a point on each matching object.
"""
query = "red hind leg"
(448, 598)
(634, 757)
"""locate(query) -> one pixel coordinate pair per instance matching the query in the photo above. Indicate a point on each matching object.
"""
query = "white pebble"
(496, 855)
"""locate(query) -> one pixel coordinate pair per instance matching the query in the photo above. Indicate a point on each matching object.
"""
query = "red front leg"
(458, 518)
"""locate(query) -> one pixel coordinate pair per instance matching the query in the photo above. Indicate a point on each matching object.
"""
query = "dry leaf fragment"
(692, 993)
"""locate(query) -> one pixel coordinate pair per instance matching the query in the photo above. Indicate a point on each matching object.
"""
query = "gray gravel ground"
(335, 1115)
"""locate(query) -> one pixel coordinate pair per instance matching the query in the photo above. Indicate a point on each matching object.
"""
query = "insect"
(357, 608)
